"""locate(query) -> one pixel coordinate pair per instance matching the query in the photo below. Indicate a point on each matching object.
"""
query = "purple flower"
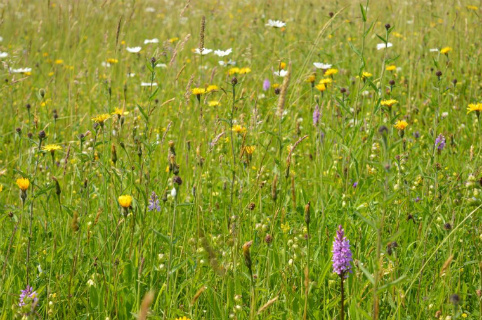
(28, 296)
(440, 142)
(342, 255)
(355, 185)
(316, 115)
(154, 203)
(266, 84)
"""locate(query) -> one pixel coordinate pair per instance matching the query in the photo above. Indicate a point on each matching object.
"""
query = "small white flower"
(320, 65)
(131, 75)
(227, 63)
(155, 40)
(173, 192)
(203, 52)
(1, 39)
(281, 73)
(3, 54)
(381, 46)
(222, 53)
(161, 65)
(90, 283)
(410, 22)
(150, 9)
(105, 64)
(148, 84)
(133, 49)
(275, 23)
(21, 70)
(434, 50)
(445, 115)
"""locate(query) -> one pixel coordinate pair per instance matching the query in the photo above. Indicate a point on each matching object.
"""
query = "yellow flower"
(52, 148)
(311, 78)
(275, 85)
(250, 149)
(366, 75)
(211, 88)
(475, 9)
(320, 87)
(234, 70)
(101, 118)
(445, 50)
(388, 103)
(125, 201)
(401, 125)
(59, 61)
(214, 103)
(1, 188)
(285, 227)
(23, 183)
(183, 318)
(282, 65)
(331, 72)
(391, 68)
(112, 60)
(239, 129)
(198, 91)
(326, 81)
(172, 40)
(477, 107)
(119, 112)
(244, 70)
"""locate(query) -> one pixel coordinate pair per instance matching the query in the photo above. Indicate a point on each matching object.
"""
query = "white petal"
(223, 53)
(155, 40)
(133, 49)
(320, 65)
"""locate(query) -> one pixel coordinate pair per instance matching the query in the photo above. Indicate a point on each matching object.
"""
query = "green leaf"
(143, 112)
(367, 273)
(363, 12)
(382, 38)
(394, 282)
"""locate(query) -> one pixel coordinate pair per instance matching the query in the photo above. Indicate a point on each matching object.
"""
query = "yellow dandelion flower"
(23, 183)
(59, 61)
(331, 72)
(445, 50)
(239, 129)
(366, 75)
(391, 67)
(472, 8)
(101, 118)
(233, 71)
(244, 70)
(172, 40)
(51, 148)
(249, 149)
(285, 227)
(326, 81)
(112, 60)
(477, 107)
(119, 112)
(214, 103)
(212, 88)
(388, 103)
(198, 91)
(320, 87)
(401, 125)
(275, 85)
(125, 201)
(282, 65)
(311, 78)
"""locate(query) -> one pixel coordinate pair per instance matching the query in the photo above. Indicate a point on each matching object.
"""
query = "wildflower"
(172, 40)
(51, 148)
(112, 60)
(28, 298)
(148, 84)
(173, 192)
(324, 66)
(133, 49)
(212, 88)
(401, 125)
(118, 112)
(100, 119)
(21, 70)
(125, 201)
(391, 67)
(183, 318)
(342, 255)
(249, 149)
(281, 73)
(445, 50)
(477, 107)
(90, 283)
(381, 46)
(311, 79)
(244, 70)
(275, 23)
(221, 53)
(433, 50)
(475, 8)
(366, 75)
(388, 103)
(203, 51)
(266, 84)
(326, 81)
(227, 63)
(214, 103)
(331, 72)
(440, 142)
(155, 40)
(3, 55)
(154, 203)
(23, 184)
(321, 87)
(316, 115)
(239, 129)
(247, 255)
(233, 71)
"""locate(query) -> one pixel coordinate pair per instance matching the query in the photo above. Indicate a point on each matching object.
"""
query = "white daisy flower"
(105, 64)
(227, 63)
(320, 65)
(161, 65)
(281, 73)
(3, 55)
(148, 84)
(222, 53)
(133, 49)
(155, 40)
(173, 192)
(275, 23)
(150, 9)
(131, 75)
(381, 46)
(434, 50)
(21, 70)
(203, 52)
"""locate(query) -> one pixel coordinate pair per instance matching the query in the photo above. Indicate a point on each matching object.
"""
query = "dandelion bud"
(28, 106)
(438, 74)
(42, 135)
(58, 191)
(387, 26)
(42, 93)
(343, 90)
(454, 82)
(234, 81)
(153, 61)
(392, 82)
